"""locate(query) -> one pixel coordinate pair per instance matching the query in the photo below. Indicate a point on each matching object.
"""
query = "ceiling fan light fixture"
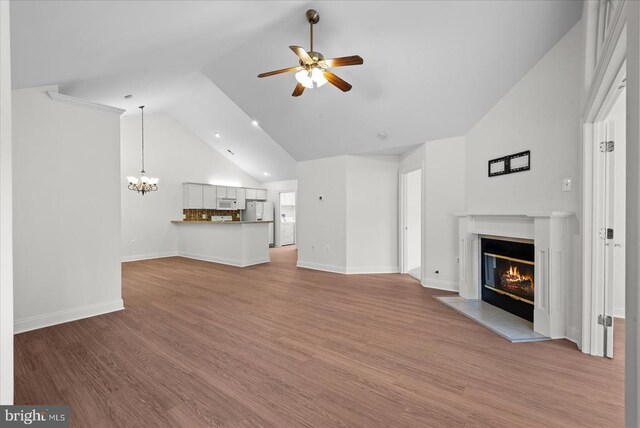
(304, 78)
(317, 75)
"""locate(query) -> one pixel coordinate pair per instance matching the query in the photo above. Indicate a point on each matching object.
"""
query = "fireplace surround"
(548, 232)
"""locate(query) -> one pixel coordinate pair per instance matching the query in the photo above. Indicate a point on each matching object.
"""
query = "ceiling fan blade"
(337, 82)
(344, 61)
(282, 70)
(302, 54)
(299, 89)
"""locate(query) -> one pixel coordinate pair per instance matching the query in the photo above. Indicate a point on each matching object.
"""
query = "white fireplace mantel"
(549, 233)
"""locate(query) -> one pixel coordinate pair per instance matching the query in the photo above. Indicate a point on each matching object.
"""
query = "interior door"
(608, 233)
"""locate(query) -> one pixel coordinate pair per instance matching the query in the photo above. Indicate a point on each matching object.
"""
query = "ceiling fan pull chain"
(311, 25)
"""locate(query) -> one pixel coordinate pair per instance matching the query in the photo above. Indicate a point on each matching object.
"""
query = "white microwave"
(227, 204)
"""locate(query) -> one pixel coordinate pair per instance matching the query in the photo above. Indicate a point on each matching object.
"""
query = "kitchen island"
(236, 243)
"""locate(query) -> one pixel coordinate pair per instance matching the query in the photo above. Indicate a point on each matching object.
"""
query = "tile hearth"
(509, 326)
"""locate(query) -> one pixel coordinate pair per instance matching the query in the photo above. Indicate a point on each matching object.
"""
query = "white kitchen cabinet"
(241, 198)
(192, 196)
(209, 197)
(287, 233)
(261, 194)
(288, 199)
(221, 192)
(251, 194)
(232, 192)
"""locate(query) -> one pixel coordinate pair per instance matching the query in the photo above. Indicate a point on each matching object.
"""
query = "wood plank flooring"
(202, 344)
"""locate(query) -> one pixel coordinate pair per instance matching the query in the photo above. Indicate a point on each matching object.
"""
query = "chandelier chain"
(142, 110)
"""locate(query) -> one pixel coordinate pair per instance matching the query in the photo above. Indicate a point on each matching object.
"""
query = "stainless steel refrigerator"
(260, 211)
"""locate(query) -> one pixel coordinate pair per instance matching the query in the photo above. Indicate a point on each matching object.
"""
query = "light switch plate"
(567, 184)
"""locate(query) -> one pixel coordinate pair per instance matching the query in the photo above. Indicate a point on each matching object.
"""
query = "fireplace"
(507, 274)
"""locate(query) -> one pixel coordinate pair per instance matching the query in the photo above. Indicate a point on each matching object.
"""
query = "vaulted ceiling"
(431, 69)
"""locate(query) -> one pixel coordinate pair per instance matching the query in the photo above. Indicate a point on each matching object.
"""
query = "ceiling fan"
(313, 70)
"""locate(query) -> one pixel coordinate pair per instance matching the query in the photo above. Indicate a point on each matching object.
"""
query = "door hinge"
(607, 146)
(605, 320)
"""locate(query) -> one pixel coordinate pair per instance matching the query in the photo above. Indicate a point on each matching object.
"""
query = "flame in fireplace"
(513, 277)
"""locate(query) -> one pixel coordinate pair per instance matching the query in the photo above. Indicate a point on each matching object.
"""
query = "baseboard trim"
(67, 315)
(372, 270)
(139, 257)
(574, 335)
(225, 261)
(321, 267)
(440, 284)
(367, 270)
(618, 312)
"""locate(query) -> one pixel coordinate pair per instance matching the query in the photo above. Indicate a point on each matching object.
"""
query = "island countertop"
(222, 222)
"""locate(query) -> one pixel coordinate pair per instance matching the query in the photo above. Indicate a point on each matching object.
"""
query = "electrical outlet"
(458, 260)
(313, 248)
(133, 242)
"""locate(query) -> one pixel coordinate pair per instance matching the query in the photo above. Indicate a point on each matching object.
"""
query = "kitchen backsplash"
(205, 215)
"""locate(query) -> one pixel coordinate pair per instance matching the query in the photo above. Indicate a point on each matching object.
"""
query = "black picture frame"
(509, 164)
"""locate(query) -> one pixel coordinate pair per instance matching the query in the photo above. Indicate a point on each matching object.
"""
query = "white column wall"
(6, 225)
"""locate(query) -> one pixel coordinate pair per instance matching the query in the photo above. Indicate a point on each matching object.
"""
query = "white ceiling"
(431, 69)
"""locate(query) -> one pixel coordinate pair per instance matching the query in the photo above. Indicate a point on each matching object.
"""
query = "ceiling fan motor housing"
(312, 16)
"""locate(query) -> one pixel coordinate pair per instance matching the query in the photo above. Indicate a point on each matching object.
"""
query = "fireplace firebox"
(507, 273)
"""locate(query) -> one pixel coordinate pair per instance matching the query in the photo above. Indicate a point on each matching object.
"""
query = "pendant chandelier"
(143, 184)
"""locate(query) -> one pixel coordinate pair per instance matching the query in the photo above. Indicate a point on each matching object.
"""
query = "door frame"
(610, 68)
(276, 221)
(402, 216)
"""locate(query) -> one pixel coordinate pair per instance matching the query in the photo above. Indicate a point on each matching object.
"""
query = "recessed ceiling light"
(128, 97)
(267, 174)
(217, 135)
(254, 122)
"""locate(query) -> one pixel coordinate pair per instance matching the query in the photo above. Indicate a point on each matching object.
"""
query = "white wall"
(354, 228)
(174, 155)
(66, 205)
(322, 224)
(6, 225)
(540, 113)
(413, 217)
(372, 214)
(443, 183)
(445, 194)
(274, 189)
(632, 309)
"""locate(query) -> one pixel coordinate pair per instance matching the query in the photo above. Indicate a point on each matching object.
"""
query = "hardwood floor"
(201, 344)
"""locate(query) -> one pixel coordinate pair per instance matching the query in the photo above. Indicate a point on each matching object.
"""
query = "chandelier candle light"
(143, 184)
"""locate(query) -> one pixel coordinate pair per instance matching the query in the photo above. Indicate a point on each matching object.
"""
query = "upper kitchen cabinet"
(232, 192)
(209, 197)
(242, 198)
(192, 195)
(222, 192)
(256, 194)
(251, 194)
